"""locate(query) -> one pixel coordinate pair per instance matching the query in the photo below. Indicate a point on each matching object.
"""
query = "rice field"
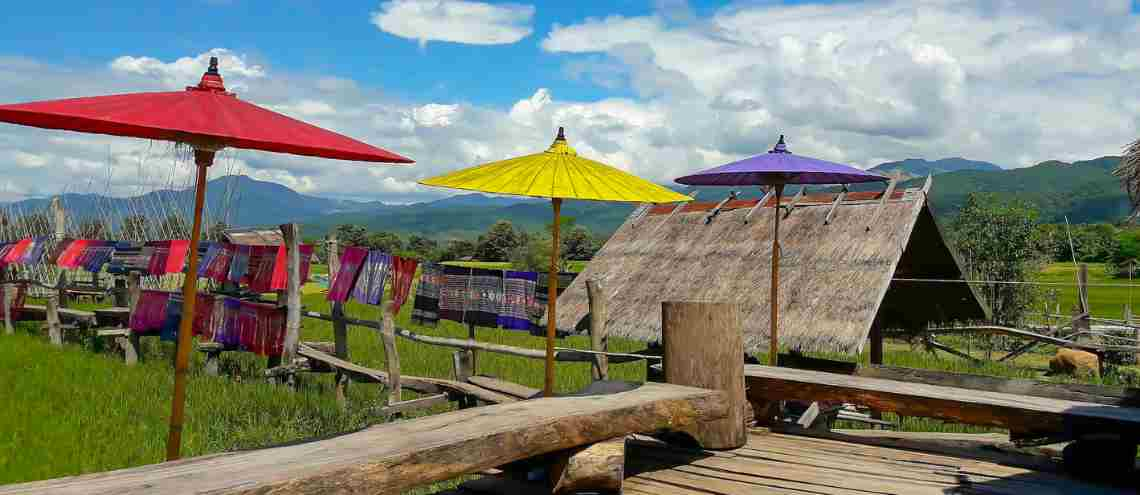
(71, 410)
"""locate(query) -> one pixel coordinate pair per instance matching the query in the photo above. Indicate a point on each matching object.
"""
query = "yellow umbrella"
(557, 173)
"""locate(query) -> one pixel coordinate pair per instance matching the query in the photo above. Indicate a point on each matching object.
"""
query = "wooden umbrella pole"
(773, 340)
(203, 159)
(551, 301)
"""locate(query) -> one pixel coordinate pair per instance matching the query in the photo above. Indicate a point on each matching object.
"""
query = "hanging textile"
(261, 328)
(217, 265)
(70, 255)
(542, 290)
(518, 299)
(239, 265)
(345, 278)
(207, 251)
(471, 295)
(18, 292)
(173, 318)
(167, 256)
(453, 292)
(281, 266)
(16, 252)
(127, 257)
(403, 271)
(373, 274)
(5, 248)
(227, 330)
(150, 311)
(425, 308)
(95, 255)
(35, 252)
(57, 250)
(204, 317)
(262, 263)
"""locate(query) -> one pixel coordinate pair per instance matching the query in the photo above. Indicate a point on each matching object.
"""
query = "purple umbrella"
(777, 168)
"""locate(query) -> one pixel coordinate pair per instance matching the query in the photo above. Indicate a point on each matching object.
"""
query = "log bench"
(393, 457)
(1029, 419)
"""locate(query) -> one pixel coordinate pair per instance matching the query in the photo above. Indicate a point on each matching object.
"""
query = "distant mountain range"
(1085, 191)
(918, 167)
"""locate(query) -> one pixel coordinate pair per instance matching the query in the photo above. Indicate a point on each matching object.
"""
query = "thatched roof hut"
(836, 279)
(255, 236)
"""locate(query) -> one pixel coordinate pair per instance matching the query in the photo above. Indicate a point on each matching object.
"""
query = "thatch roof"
(835, 279)
(255, 236)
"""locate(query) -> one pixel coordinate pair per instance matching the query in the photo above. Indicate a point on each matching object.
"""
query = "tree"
(498, 243)
(352, 235)
(421, 246)
(175, 227)
(217, 231)
(92, 229)
(1129, 173)
(578, 244)
(387, 242)
(134, 228)
(999, 241)
(457, 249)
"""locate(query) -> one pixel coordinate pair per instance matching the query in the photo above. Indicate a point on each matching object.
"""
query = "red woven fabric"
(403, 271)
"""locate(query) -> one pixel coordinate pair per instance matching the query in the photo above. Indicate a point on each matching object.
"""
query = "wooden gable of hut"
(837, 278)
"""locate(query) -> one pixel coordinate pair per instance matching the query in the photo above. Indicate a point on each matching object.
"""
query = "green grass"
(1105, 302)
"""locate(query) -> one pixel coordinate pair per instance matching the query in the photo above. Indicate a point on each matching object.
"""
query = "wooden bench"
(393, 457)
(1029, 419)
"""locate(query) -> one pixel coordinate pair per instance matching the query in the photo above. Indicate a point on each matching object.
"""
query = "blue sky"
(659, 87)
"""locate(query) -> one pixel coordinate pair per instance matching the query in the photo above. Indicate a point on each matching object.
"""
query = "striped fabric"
(372, 277)
(518, 299)
(425, 308)
(345, 278)
(403, 271)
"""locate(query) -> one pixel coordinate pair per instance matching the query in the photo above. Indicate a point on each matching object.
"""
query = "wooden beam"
(512, 389)
(405, 406)
(760, 204)
(703, 346)
(599, 340)
(291, 233)
(1029, 335)
(1025, 416)
(421, 385)
(716, 210)
(395, 457)
(835, 205)
(876, 338)
(883, 201)
(950, 350)
(391, 354)
(1080, 392)
(795, 200)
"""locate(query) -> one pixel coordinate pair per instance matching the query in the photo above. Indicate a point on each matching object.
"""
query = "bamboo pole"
(599, 340)
(773, 338)
(552, 300)
(292, 237)
(203, 159)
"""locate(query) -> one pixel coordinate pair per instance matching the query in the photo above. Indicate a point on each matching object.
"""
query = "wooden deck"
(773, 463)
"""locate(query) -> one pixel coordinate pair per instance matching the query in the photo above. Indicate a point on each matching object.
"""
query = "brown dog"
(1074, 362)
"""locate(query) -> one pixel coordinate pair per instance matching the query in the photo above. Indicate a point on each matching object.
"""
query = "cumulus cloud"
(455, 21)
(187, 70)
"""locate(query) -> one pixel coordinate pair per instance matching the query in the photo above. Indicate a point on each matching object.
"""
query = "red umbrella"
(208, 118)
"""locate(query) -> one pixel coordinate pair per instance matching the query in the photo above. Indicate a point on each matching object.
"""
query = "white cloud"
(456, 21)
(186, 71)
(435, 115)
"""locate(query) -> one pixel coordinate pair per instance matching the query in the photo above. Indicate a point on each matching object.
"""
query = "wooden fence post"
(55, 330)
(291, 233)
(340, 328)
(391, 354)
(703, 346)
(599, 340)
(7, 294)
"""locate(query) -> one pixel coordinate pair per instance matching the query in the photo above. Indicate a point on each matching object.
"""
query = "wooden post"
(599, 340)
(597, 468)
(292, 236)
(61, 288)
(55, 330)
(134, 290)
(120, 292)
(1083, 286)
(704, 347)
(552, 300)
(340, 327)
(774, 293)
(8, 295)
(876, 338)
(391, 354)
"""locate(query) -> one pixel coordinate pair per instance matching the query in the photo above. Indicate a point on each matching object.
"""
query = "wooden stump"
(7, 293)
(130, 346)
(704, 347)
(595, 468)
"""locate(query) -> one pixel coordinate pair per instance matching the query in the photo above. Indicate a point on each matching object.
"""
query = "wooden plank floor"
(778, 463)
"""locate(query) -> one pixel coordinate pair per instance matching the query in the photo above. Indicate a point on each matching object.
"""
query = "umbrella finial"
(560, 146)
(780, 146)
(212, 79)
(561, 134)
